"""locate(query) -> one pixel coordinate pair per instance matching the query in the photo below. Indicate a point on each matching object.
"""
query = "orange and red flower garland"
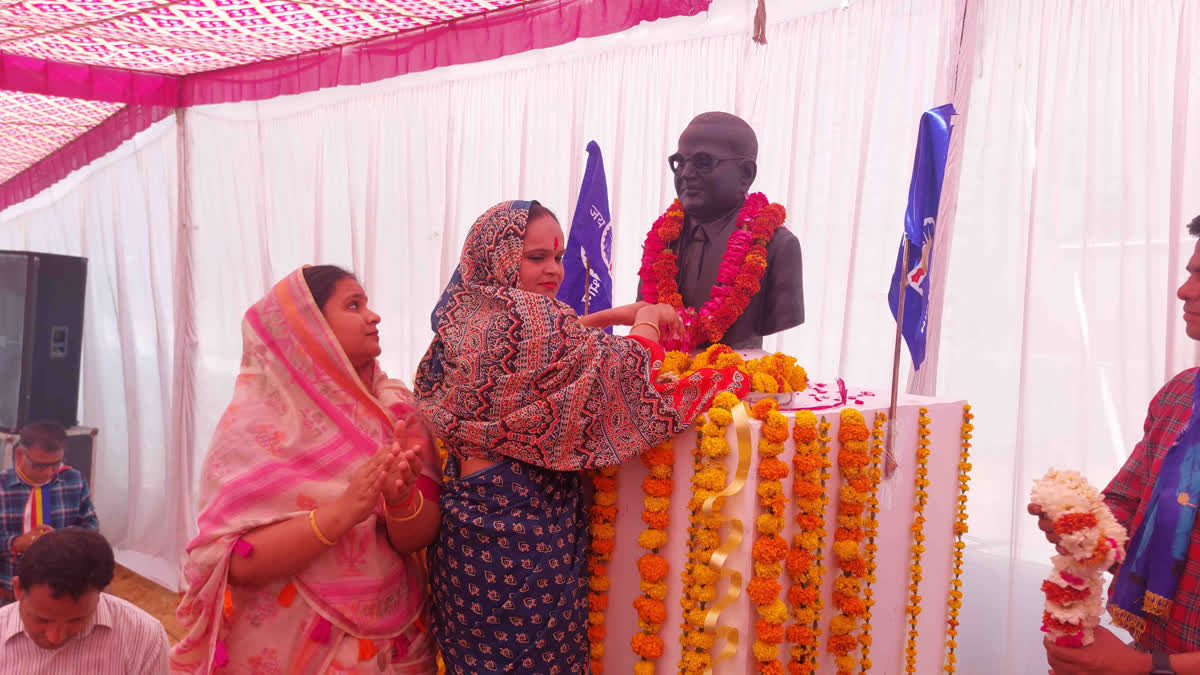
(921, 482)
(769, 549)
(852, 460)
(602, 516)
(872, 529)
(954, 602)
(738, 278)
(699, 577)
(652, 567)
(805, 561)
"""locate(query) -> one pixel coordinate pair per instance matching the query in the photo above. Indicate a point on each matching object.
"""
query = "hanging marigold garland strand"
(875, 474)
(921, 483)
(770, 549)
(853, 458)
(699, 577)
(955, 599)
(652, 567)
(805, 561)
(602, 516)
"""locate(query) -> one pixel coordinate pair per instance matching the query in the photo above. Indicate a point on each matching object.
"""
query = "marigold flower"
(772, 469)
(598, 602)
(808, 521)
(655, 519)
(662, 471)
(714, 446)
(765, 652)
(602, 546)
(843, 625)
(770, 549)
(696, 662)
(652, 538)
(847, 585)
(705, 574)
(770, 668)
(768, 448)
(771, 633)
(605, 498)
(760, 409)
(661, 504)
(769, 523)
(650, 610)
(647, 646)
(770, 490)
(763, 591)
(776, 612)
(658, 591)
(657, 487)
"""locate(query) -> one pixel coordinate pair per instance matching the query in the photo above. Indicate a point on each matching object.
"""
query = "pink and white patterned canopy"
(66, 66)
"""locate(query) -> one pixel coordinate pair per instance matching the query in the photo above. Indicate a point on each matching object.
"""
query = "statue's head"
(714, 165)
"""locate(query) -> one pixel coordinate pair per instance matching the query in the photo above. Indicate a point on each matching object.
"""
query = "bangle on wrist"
(316, 529)
(401, 519)
(648, 324)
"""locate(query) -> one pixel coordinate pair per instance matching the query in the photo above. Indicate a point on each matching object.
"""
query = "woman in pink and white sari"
(318, 497)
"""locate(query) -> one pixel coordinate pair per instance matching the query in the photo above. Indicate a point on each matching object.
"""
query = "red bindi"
(556, 242)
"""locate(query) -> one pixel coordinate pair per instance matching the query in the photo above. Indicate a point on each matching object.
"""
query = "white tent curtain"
(1060, 318)
(121, 214)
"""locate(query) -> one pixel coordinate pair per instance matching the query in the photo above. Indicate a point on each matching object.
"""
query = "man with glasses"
(714, 168)
(39, 495)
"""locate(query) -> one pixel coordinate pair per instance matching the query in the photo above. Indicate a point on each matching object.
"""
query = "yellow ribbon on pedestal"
(741, 424)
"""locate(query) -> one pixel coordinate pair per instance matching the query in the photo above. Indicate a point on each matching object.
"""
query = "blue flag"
(920, 221)
(587, 262)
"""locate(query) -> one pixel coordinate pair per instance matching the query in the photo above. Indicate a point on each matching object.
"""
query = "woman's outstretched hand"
(362, 494)
(665, 318)
(412, 441)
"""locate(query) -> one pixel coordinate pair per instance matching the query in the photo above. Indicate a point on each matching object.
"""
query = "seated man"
(38, 495)
(63, 623)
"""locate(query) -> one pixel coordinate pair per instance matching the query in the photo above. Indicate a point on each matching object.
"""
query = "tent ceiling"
(190, 36)
(178, 38)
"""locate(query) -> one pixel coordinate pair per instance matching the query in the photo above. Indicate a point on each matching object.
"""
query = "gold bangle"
(312, 522)
(404, 519)
(646, 323)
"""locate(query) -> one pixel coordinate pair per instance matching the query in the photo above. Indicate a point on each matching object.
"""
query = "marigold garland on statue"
(738, 277)
(954, 602)
(770, 549)
(853, 459)
(872, 529)
(770, 374)
(918, 537)
(602, 516)
(652, 567)
(805, 564)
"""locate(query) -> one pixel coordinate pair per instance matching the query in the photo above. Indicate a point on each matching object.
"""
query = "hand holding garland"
(658, 323)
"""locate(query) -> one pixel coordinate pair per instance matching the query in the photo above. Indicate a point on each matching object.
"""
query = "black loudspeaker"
(41, 335)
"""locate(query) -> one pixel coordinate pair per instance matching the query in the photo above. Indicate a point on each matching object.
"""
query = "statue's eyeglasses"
(702, 162)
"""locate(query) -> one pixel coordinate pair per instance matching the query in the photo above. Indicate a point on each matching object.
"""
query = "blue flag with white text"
(587, 262)
(920, 221)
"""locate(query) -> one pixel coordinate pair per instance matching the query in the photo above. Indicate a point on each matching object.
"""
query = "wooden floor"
(151, 597)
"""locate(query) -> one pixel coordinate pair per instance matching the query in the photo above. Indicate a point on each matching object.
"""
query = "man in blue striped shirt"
(38, 495)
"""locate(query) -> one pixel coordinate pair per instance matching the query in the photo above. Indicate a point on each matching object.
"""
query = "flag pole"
(890, 464)
(587, 288)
